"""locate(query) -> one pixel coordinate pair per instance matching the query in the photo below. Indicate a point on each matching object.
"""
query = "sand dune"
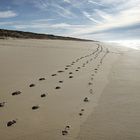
(67, 90)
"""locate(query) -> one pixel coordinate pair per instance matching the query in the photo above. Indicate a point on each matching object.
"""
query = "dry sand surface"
(68, 90)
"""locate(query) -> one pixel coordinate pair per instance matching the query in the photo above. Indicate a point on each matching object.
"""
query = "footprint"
(35, 107)
(32, 85)
(91, 78)
(80, 114)
(83, 65)
(60, 71)
(67, 127)
(16, 93)
(95, 71)
(54, 74)
(76, 70)
(2, 104)
(91, 91)
(57, 87)
(41, 79)
(86, 99)
(90, 83)
(60, 81)
(68, 65)
(70, 76)
(66, 68)
(64, 132)
(10, 123)
(43, 95)
(70, 73)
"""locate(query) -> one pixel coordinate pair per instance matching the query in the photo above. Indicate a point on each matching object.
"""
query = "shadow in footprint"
(54, 74)
(43, 95)
(10, 123)
(57, 87)
(86, 99)
(41, 79)
(60, 71)
(91, 78)
(80, 114)
(90, 83)
(70, 73)
(68, 65)
(91, 91)
(70, 76)
(2, 104)
(65, 131)
(32, 85)
(35, 107)
(16, 93)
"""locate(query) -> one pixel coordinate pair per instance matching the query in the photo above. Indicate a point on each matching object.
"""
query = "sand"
(117, 116)
(68, 90)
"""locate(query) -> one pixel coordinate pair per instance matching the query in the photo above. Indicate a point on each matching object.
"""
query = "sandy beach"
(68, 90)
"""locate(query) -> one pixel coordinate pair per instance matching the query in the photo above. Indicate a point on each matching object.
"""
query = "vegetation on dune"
(29, 35)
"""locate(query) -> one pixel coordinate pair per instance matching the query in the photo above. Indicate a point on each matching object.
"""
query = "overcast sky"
(93, 19)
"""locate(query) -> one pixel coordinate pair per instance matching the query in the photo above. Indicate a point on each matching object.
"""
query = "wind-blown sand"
(68, 90)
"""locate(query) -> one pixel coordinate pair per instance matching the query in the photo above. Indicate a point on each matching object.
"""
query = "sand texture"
(68, 90)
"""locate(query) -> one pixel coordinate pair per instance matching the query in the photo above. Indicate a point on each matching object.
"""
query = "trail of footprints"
(90, 83)
(92, 56)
